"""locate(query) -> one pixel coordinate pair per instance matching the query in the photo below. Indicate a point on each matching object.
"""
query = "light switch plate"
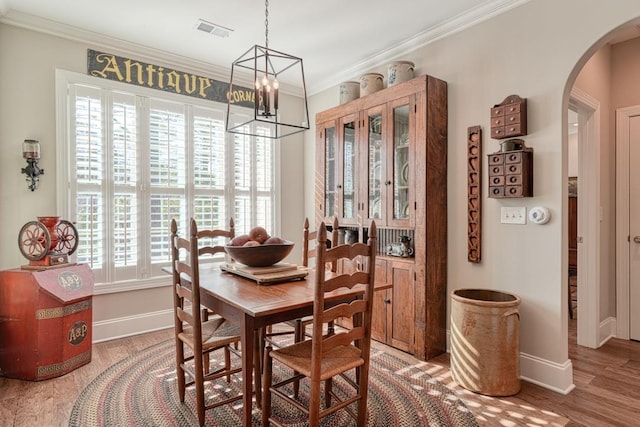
(513, 215)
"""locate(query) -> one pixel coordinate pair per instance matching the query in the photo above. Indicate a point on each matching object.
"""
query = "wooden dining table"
(254, 306)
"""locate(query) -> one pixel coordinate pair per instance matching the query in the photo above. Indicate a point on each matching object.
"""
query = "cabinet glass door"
(401, 153)
(348, 200)
(375, 166)
(330, 165)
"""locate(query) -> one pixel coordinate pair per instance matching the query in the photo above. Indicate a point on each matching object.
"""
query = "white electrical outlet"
(513, 215)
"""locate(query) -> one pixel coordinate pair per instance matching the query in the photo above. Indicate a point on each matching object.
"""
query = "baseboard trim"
(607, 330)
(121, 327)
(557, 377)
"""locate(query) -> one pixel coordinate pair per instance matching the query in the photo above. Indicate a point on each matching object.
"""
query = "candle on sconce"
(276, 86)
(268, 108)
(256, 101)
(265, 100)
(31, 149)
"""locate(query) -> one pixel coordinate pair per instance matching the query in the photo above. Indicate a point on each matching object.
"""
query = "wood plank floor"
(607, 389)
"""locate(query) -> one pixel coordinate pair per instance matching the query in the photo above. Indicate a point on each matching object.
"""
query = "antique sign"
(118, 68)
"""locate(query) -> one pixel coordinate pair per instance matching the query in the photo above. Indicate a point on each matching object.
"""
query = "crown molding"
(469, 18)
(113, 44)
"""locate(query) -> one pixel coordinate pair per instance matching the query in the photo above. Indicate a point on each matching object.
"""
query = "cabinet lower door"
(379, 316)
(400, 312)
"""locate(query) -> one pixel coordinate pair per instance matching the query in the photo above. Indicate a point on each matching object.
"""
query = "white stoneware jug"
(399, 71)
(349, 91)
(370, 83)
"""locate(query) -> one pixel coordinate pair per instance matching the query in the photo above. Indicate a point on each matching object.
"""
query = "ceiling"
(337, 40)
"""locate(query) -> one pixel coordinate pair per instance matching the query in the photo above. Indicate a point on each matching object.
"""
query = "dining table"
(253, 306)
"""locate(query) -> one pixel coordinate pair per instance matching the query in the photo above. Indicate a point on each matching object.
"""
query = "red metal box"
(45, 321)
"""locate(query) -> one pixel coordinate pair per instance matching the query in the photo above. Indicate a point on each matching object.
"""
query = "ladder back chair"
(308, 252)
(324, 357)
(209, 244)
(200, 336)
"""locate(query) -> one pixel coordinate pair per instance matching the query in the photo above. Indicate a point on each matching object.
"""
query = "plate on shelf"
(375, 208)
(404, 140)
(404, 173)
(405, 210)
(376, 171)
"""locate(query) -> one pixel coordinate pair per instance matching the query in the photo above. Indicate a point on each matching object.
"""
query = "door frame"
(623, 317)
(588, 325)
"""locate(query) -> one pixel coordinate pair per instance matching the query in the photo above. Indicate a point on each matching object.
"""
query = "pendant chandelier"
(255, 102)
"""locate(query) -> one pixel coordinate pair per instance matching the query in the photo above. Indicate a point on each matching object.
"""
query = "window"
(137, 158)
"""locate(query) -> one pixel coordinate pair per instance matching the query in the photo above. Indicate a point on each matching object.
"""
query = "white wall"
(530, 52)
(572, 152)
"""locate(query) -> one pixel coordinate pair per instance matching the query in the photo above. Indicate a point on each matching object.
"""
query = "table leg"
(247, 340)
(257, 365)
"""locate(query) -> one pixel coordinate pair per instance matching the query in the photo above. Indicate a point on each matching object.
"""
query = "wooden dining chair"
(200, 336)
(324, 357)
(210, 243)
(308, 252)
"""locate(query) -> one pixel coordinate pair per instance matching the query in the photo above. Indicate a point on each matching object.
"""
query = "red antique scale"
(48, 241)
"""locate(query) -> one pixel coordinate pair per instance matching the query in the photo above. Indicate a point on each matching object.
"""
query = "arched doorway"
(600, 316)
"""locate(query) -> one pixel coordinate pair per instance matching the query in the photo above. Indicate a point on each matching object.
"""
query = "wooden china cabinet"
(383, 157)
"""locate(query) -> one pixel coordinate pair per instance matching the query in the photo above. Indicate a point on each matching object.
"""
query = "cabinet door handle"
(387, 183)
(339, 187)
(387, 300)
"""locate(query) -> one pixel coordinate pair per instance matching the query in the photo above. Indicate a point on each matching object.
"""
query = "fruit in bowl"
(258, 249)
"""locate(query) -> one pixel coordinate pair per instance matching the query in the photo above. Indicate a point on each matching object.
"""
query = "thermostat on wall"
(539, 215)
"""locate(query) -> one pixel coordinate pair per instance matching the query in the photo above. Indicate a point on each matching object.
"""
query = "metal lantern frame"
(262, 62)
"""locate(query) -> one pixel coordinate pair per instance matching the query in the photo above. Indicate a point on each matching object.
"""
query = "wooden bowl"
(260, 256)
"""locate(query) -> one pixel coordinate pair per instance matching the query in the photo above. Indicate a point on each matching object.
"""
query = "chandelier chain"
(266, 24)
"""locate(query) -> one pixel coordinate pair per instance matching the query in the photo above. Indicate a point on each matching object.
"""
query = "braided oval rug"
(141, 390)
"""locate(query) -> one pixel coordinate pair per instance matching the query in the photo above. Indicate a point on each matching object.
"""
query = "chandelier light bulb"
(276, 85)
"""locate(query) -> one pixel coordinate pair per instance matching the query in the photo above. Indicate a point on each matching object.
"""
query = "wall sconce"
(31, 152)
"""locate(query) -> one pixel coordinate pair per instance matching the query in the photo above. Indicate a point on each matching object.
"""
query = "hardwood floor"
(607, 389)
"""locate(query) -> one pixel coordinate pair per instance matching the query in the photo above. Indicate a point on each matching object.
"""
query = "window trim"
(63, 78)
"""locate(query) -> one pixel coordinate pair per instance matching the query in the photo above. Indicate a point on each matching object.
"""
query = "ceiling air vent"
(213, 29)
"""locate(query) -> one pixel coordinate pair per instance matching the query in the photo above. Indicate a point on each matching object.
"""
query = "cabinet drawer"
(496, 192)
(497, 111)
(512, 109)
(511, 120)
(496, 170)
(513, 180)
(513, 168)
(513, 130)
(513, 158)
(496, 159)
(496, 180)
(498, 132)
(513, 190)
(497, 121)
